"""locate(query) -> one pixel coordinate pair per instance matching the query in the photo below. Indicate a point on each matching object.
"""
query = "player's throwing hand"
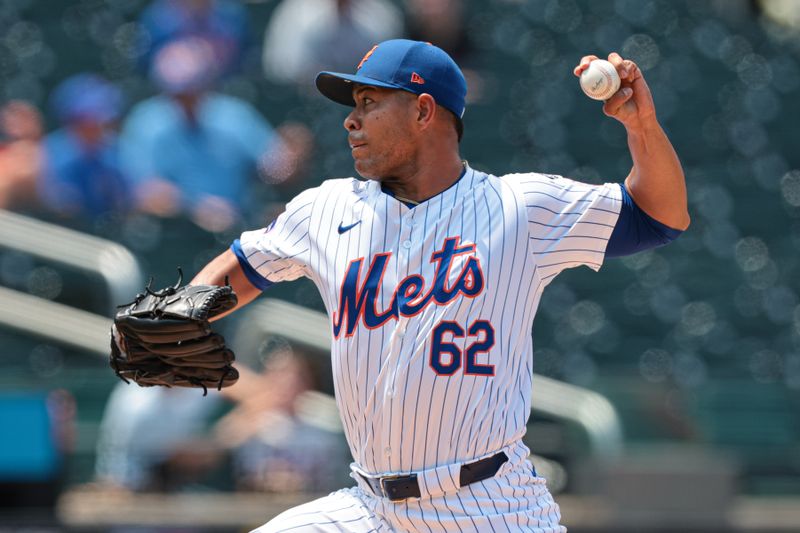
(632, 104)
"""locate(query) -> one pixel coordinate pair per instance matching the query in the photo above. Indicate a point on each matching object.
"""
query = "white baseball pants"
(514, 500)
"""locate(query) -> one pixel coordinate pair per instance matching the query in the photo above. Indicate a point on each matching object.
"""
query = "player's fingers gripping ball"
(600, 80)
(164, 338)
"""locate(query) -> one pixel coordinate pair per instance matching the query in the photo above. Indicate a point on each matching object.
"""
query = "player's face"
(380, 132)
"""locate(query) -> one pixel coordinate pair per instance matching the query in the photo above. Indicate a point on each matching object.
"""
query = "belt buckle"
(385, 492)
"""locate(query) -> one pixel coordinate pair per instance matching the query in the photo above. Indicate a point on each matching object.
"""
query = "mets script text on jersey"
(357, 300)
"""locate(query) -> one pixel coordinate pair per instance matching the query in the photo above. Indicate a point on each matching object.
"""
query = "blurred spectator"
(81, 174)
(191, 150)
(440, 22)
(152, 439)
(158, 439)
(273, 448)
(223, 23)
(20, 154)
(306, 36)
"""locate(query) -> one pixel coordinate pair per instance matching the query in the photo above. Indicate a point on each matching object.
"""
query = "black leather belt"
(398, 488)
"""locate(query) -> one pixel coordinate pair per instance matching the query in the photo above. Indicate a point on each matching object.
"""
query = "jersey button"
(387, 451)
(406, 244)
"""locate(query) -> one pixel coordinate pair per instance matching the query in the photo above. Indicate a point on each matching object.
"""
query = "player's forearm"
(226, 265)
(656, 181)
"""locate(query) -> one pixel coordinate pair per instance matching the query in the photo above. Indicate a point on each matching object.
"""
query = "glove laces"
(167, 291)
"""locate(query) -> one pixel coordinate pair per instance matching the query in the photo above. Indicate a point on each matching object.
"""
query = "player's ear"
(425, 110)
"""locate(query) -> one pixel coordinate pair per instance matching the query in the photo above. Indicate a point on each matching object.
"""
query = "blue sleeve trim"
(636, 231)
(258, 281)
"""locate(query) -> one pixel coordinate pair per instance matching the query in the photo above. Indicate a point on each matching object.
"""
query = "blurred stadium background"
(669, 394)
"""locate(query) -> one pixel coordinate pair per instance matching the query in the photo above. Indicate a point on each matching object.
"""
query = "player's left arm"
(656, 182)
(226, 269)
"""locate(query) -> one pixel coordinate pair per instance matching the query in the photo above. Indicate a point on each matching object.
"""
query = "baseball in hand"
(600, 80)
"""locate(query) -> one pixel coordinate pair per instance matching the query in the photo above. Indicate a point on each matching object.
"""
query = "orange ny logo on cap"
(416, 78)
(366, 56)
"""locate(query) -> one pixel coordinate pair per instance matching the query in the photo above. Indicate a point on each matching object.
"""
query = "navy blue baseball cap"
(413, 66)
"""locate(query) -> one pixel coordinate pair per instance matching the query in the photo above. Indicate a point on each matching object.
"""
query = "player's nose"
(350, 121)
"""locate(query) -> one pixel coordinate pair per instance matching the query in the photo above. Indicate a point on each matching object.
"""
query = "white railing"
(111, 261)
(54, 321)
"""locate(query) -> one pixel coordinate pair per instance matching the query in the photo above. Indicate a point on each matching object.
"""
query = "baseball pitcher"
(431, 273)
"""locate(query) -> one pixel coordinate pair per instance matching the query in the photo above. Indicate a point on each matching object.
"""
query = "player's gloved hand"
(164, 338)
(633, 103)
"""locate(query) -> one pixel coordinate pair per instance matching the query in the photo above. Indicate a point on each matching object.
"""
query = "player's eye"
(367, 100)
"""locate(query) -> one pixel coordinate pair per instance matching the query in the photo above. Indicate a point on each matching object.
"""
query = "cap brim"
(339, 87)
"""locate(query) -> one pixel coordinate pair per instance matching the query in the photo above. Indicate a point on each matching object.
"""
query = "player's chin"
(364, 169)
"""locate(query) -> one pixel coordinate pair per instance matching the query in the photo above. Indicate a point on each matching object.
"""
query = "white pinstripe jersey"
(432, 306)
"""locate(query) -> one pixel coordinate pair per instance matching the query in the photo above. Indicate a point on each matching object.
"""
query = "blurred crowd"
(179, 136)
(251, 437)
(100, 157)
(189, 149)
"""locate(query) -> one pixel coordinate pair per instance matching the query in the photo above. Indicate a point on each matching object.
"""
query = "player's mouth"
(356, 139)
(355, 146)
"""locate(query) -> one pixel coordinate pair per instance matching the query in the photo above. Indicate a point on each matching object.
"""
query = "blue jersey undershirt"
(636, 231)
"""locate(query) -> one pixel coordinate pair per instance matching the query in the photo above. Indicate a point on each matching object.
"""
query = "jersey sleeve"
(280, 251)
(569, 222)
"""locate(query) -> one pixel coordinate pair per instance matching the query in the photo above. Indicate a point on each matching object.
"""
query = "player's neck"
(426, 182)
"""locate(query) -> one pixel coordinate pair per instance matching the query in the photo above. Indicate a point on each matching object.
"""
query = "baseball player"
(431, 273)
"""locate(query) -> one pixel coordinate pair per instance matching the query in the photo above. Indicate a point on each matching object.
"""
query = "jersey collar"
(467, 179)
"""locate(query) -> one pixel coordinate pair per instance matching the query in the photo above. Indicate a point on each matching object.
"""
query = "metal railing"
(111, 261)
(54, 321)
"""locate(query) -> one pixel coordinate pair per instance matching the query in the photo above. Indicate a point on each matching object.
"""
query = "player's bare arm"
(656, 181)
(226, 266)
